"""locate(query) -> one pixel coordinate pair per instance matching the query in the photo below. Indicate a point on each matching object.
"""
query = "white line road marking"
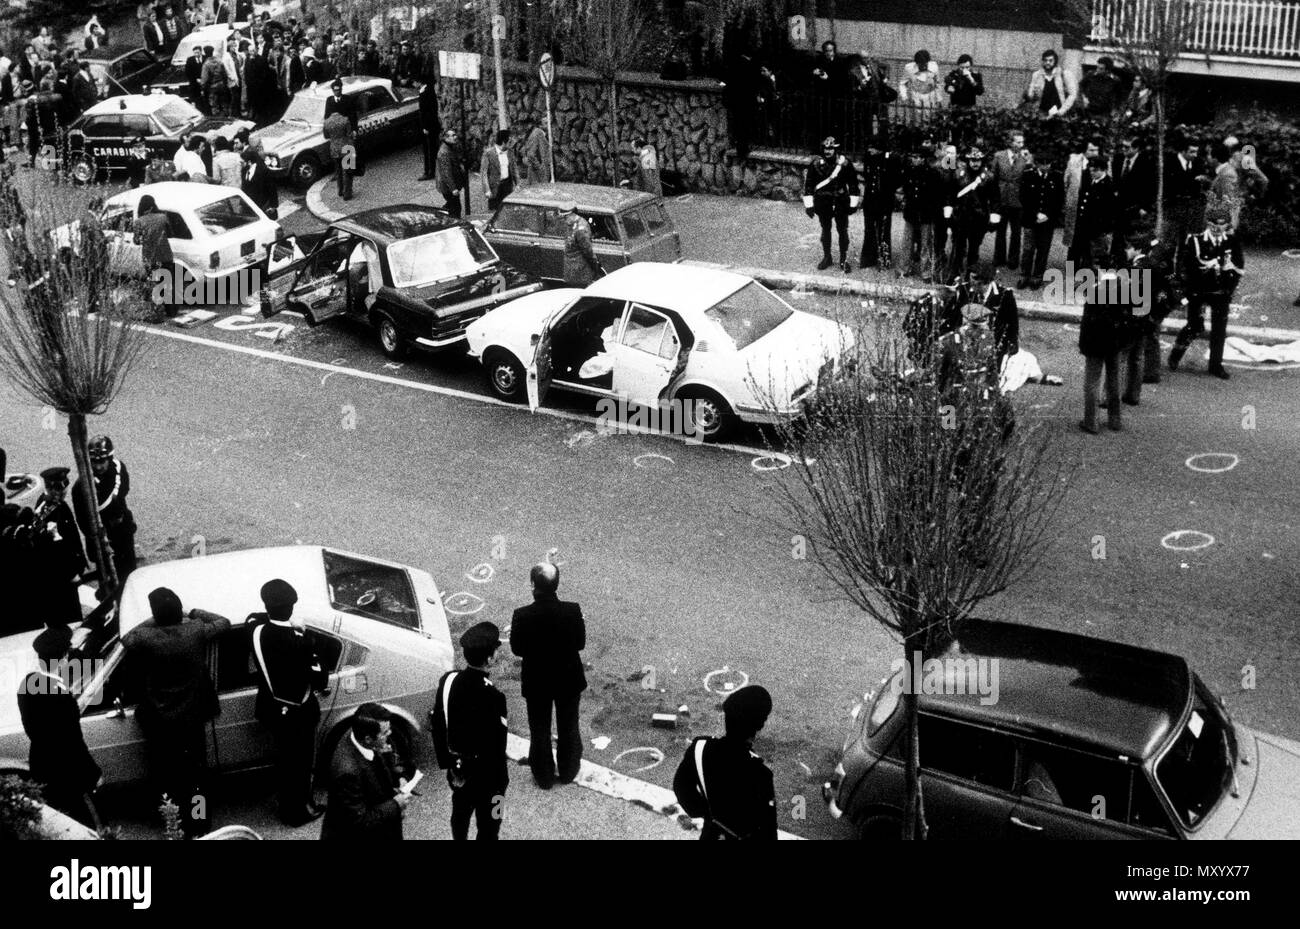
(441, 391)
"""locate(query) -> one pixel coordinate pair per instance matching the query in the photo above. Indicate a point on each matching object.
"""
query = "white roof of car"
(133, 103)
(351, 85)
(684, 288)
(229, 584)
(175, 194)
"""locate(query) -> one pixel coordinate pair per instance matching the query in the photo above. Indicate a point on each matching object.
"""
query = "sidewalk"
(774, 242)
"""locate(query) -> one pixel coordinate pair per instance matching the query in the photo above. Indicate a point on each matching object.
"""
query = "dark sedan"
(122, 69)
(415, 274)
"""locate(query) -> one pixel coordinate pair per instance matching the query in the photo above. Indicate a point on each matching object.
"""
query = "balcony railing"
(1248, 28)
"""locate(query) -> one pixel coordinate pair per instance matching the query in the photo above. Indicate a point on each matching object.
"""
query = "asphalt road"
(248, 433)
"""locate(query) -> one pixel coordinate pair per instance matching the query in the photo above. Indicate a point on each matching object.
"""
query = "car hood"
(278, 136)
(524, 316)
(790, 355)
(1273, 808)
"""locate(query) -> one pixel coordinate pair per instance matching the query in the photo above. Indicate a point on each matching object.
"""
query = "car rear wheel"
(390, 339)
(706, 415)
(505, 376)
(81, 168)
(306, 170)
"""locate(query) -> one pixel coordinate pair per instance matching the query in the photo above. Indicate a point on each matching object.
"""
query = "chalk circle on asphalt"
(1291, 253)
(481, 573)
(1226, 461)
(654, 461)
(464, 604)
(656, 757)
(775, 462)
(727, 686)
(1187, 540)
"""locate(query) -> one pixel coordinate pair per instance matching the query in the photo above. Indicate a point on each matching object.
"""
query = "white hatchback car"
(215, 231)
(379, 627)
(650, 334)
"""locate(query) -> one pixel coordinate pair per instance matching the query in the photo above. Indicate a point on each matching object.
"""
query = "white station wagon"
(650, 334)
(379, 627)
(214, 231)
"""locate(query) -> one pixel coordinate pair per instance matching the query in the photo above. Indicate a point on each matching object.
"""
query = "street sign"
(546, 70)
(463, 66)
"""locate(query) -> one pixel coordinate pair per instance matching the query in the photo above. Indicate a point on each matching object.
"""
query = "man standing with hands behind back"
(548, 634)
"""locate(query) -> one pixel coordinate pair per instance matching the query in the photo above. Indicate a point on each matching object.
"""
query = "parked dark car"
(626, 226)
(1085, 739)
(119, 136)
(434, 275)
(122, 69)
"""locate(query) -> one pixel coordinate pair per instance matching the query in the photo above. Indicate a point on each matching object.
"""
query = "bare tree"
(611, 36)
(1150, 37)
(64, 341)
(917, 496)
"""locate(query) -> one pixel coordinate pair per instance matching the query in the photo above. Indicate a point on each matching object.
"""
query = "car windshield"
(749, 314)
(175, 115)
(307, 108)
(1198, 768)
(234, 212)
(437, 255)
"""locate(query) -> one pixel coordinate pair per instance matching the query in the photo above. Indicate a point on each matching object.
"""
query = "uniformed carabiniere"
(830, 192)
(469, 736)
(112, 484)
(581, 266)
(291, 673)
(723, 781)
(61, 557)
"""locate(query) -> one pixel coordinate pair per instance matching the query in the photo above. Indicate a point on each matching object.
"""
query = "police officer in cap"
(112, 484)
(830, 192)
(469, 736)
(723, 781)
(62, 558)
(57, 758)
(291, 673)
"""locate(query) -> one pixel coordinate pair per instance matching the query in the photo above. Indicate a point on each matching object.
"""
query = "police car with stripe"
(118, 137)
(296, 147)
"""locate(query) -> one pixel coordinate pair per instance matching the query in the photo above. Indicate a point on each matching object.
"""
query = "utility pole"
(498, 33)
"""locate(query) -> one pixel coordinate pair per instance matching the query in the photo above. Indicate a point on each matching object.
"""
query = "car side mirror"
(535, 339)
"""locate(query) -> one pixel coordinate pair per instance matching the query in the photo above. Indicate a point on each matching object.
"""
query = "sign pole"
(498, 33)
(546, 74)
(464, 142)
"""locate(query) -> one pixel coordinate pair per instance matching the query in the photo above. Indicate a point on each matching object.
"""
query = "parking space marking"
(451, 392)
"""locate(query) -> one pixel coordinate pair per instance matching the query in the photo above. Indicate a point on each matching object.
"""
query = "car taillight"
(214, 260)
(279, 232)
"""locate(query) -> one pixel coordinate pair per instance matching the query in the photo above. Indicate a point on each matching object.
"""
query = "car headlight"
(273, 161)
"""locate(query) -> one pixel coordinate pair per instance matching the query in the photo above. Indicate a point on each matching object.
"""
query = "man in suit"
(430, 126)
(179, 698)
(450, 172)
(1184, 193)
(1134, 174)
(473, 751)
(882, 175)
(194, 74)
(337, 102)
(497, 168)
(365, 802)
(548, 635)
(155, 40)
(258, 183)
(291, 673)
(1009, 166)
(57, 757)
(723, 782)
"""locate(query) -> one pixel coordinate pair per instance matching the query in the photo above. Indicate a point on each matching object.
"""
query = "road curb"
(316, 205)
(619, 786)
(1029, 309)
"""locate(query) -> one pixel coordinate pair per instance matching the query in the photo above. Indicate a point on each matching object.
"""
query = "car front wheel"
(390, 339)
(81, 168)
(505, 376)
(306, 171)
(706, 415)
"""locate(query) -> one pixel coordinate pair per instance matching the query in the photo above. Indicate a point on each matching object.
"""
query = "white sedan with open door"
(716, 346)
(379, 628)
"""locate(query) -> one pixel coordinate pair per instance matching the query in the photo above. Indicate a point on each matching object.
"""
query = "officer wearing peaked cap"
(723, 781)
(291, 672)
(469, 736)
(831, 193)
(58, 555)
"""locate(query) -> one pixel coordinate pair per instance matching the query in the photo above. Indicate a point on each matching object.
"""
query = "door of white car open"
(644, 358)
(538, 376)
(125, 257)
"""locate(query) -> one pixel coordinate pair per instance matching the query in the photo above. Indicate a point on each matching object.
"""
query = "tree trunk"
(914, 809)
(99, 539)
(1160, 161)
(613, 132)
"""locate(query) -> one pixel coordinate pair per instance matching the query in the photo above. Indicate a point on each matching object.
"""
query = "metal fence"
(1261, 28)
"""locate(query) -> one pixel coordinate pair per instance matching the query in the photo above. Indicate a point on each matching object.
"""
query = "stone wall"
(686, 121)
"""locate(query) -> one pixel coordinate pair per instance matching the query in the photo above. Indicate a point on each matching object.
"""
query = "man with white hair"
(548, 635)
